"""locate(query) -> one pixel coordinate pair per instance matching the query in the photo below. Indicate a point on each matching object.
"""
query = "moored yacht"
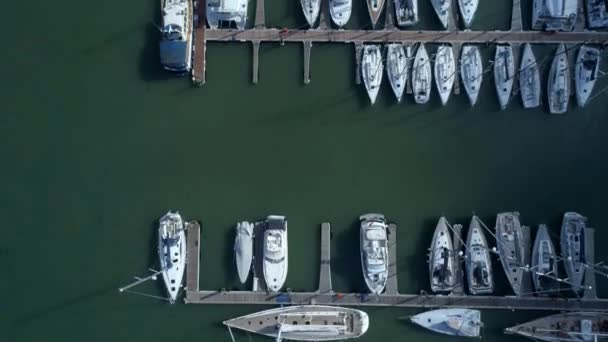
(558, 86)
(396, 68)
(421, 76)
(172, 252)
(467, 10)
(219, 11)
(311, 9)
(275, 252)
(406, 12)
(243, 249)
(509, 240)
(304, 323)
(371, 70)
(478, 260)
(374, 251)
(176, 42)
(471, 71)
(442, 9)
(504, 71)
(585, 73)
(441, 258)
(340, 11)
(374, 8)
(544, 262)
(529, 79)
(566, 327)
(572, 241)
(454, 322)
(445, 70)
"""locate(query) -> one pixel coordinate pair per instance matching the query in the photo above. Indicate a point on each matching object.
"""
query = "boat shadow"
(229, 259)
(150, 68)
(414, 264)
(347, 261)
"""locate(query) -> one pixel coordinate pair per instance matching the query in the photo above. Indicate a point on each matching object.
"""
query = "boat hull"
(544, 262)
(479, 262)
(421, 76)
(453, 322)
(572, 243)
(311, 9)
(371, 70)
(504, 73)
(445, 71)
(441, 8)
(374, 251)
(509, 240)
(275, 264)
(243, 249)
(406, 12)
(467, 10)
(219, 11)
(441, 259)
(573, 326)
(375, 7)
(558, 86)
(176, 54)
(471, 72)
(172, 253)
(529, 79)
(585, 73)
(396, 69)
(340, 11)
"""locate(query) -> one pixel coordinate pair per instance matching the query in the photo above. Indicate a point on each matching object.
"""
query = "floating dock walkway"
(326, 295)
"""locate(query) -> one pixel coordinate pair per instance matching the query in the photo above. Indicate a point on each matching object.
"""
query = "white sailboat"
(454, 322)
(371, 70)
(396, 68)
(445, 70)
(219, 11)
(275, 252)
(340, 11)
(478, 260)
(172, 252)
(509, 240)
(441, 259)
(529, 79)
(566, 327)
(585, 73)
(374, 7)
(544, 262)
(504, 71)
(467, 11)
(374, 251)
(471, 71)
(558, 87)
(176, 42)
(243, 249)
(421, 76)
(442, 8)
(311, 9)
(572, 242)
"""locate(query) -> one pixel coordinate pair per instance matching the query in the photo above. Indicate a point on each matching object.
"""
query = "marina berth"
(421, 76)
(176, 36)
(504, 72)
(243, 249)
(396, 68)
(454, 322)
(510, 244)
(467, 10)
(529, 79)
(567, 327)
(304, 323)
(172, 252)
(442, 8)
(585, 73)
(371, 70)
(478, 260)
(471, 71)
(275, 252)
(227, 11)
(572, 243)
(374, 251)
(558, 86)
(441, 259)
(406, 12)
(375, 7)
(311, 9)
(445, 72)
(544, 263)
(340, 11)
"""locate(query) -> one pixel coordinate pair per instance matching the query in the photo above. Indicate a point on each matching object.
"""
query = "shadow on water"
(229, 258)
(153, 258)
(418, 261)
(346, 261)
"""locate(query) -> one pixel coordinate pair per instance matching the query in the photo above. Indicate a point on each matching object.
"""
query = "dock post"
(392, 288)
(325, 269)
(409, 55)
(256, 53)
(389, 21)
(260, 17)
(527, 288)
(516, 60)
(192, 260)
(516, 21)
(456, 48)
(590, 291)
(358, 52)
(458, 269)
(307, 48)
(571, 51)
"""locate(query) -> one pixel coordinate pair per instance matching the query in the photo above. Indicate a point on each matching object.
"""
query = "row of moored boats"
(402, 66)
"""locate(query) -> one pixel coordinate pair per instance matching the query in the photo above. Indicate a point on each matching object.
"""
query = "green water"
(98, 142)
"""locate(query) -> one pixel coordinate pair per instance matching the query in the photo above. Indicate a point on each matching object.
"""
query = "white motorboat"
(566, 327)
(311, 9)
(172, 252)
(572, 241)
(442, 9)
(340, 11)
(445, 70)
(227, 11)
(544, 263)
(441, 258)
(243, 249)
(471, 71)
(374, 7)
(421, 76)
(467, 10)
(509, 240)
(504, 72)
(304, 323)
(529, 79)
(454, 322)
(374, 251)
(406, 12)
(478, 260)
(176, 42)
(371, 70)
(396, 68)
(585, 73)
(275, 252)
(558, 87)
